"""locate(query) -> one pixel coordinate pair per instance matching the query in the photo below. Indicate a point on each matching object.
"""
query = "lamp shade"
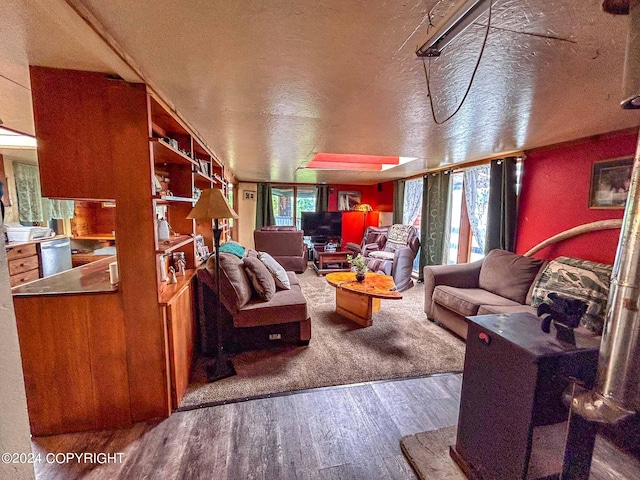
(212, 204)
(363, 207)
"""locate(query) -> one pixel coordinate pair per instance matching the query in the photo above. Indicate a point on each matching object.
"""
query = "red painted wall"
(379, 197)
(555, 197)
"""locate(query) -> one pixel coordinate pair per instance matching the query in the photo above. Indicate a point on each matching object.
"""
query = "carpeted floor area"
(401, 343)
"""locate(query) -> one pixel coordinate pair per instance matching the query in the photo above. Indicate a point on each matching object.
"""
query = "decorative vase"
(360, 276)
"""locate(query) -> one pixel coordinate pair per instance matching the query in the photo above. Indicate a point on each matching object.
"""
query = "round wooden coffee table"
(359, 300)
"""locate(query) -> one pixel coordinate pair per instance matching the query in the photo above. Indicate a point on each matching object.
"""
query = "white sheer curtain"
(412, 200)
(476, 188)
(32, 207)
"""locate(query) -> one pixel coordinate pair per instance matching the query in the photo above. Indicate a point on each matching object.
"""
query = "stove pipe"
(616, 395)
(618, 380)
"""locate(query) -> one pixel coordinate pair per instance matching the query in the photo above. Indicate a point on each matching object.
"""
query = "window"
(412, 209)
(456, 216)
(290, 201)
(469, 210)
(230, 200)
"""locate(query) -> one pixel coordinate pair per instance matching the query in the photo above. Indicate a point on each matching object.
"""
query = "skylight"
(341, 161)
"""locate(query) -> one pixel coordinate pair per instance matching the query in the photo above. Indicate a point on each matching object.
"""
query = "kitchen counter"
(9, 245)
(90, 278)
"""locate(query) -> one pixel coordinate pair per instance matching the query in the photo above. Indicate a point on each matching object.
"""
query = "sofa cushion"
(261, 278)
(581, 279)
(293, 280)
(234, 284)
(496, 309)
(382, 255)
(279, 273)
(508, 275)
(466, 301)
(285, 306)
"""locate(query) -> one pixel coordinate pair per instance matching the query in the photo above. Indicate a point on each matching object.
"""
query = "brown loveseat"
(499, 283)
(285, 244)
(250, 322)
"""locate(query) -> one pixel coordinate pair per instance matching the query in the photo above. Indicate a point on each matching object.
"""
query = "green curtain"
(434, 219)
(264, 207)
(322, 202)
(398, 201)
(502, 215)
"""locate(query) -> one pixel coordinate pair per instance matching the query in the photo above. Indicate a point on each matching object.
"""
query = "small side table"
(514, 376)
(328, 258)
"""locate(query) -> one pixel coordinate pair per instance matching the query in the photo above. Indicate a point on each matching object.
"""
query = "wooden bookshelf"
(79, 118)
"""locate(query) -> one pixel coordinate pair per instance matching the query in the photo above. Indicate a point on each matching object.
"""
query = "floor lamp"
(365, 208)
(212, 205)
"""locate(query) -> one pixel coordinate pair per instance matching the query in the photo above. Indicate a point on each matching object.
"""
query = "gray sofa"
(502, 282)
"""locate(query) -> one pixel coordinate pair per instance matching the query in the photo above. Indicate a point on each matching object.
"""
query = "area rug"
(402, 342)
(428, 454)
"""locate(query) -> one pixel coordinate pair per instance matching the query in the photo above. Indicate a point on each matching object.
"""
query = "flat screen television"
(323, 226)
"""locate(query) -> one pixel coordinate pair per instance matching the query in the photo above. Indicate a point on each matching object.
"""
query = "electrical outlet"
(275, 336)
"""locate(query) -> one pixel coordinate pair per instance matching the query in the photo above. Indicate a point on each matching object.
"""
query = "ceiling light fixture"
(456, 21)
(14, 139)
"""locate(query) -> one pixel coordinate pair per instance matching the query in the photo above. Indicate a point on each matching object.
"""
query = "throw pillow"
(233, 247)
(260, 277)
(234, 284)
(508, 275)
(576, 278)
(398, 236)
(279, 273)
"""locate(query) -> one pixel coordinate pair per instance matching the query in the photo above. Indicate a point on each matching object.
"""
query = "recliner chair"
(374, 239)
(396, 257)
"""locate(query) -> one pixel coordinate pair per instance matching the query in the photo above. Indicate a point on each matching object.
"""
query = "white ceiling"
(268, 84)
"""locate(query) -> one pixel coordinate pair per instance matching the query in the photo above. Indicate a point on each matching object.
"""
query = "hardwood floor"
(343, 433)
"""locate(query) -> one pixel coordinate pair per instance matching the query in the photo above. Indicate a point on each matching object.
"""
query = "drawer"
(21, 251)
(24, 277)
(20, 265)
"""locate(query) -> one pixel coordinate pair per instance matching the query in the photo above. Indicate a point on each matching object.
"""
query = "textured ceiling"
(269, 84)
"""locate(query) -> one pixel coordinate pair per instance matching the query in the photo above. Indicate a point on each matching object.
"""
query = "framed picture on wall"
(202, 251)
(347, 199)
(610, 181)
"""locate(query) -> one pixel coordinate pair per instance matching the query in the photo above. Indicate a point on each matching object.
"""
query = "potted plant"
(358, 265)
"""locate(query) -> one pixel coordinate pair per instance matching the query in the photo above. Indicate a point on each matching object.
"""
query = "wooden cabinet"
(24, 264)
(179, 318)
(112, 139)
(73, 353)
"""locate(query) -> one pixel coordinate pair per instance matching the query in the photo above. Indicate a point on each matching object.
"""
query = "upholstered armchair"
(285, 244)
(397, 256)
(374, 239)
